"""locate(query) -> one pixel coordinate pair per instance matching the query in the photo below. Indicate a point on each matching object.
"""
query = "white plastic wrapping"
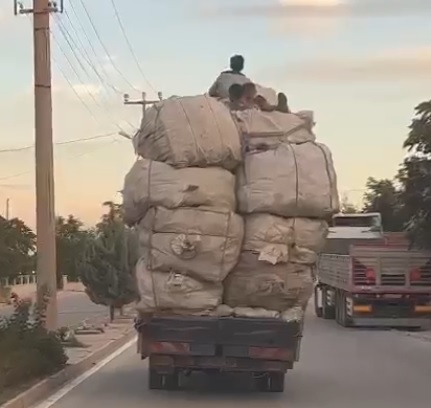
(202, 243)
(150, 183)
(292, 180)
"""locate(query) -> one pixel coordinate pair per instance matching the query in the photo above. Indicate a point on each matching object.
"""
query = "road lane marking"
(54, 398)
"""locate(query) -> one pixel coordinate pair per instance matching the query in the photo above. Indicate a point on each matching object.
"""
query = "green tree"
(17, 247)
(108, 269)
(383, 197)
(415, 178)
(71, 241)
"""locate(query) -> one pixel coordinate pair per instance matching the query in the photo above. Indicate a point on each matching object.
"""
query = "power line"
(75, 50)
(78, 96)
(20, 149)
(85, 53)
(72, 157)
(105, 110)
(90, 43)
(129, 45)
(111, 60)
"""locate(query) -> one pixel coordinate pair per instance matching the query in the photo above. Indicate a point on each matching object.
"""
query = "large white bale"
(293, 180)
(202, 243)
(259, 284)
(268, 93)
(151, 184)
(277, 240)
(176, 293)
(266, 130)
(189, 131)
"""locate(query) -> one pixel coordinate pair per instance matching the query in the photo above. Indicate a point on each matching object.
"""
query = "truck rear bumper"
(168, 363)
(389, 322)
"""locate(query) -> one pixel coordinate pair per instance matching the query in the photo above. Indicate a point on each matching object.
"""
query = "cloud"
(327, 9)
(307, 26)
(86, 89)
(402, 64)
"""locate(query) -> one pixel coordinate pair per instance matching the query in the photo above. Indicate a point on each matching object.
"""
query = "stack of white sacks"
(200, 167)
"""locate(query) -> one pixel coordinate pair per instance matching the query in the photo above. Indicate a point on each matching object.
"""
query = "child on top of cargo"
(251, 99)
(235, 95)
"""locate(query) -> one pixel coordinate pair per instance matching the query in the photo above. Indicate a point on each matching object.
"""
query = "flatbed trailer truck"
(262, 348)
(375, 286)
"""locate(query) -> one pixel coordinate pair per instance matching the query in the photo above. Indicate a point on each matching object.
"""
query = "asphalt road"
(73, 308)
(339, 368)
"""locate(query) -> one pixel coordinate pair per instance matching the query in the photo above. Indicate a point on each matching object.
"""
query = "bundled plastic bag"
(150, 183)
(202, 243)
(190, 131)
(258, 284)
(277, 240)
(175, 293)
(266, 130)
(293, 180)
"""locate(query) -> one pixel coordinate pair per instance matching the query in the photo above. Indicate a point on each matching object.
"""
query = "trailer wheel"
(276, 382)
(328, 311)
(341, 310)
(271, 382)
(318, 310)
(157, 381)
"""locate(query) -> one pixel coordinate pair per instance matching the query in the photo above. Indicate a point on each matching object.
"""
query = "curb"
(52, 384)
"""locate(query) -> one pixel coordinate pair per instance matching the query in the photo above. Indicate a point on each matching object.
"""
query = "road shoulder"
(98, 347)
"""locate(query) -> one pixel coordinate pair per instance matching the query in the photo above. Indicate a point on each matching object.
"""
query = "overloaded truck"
(366, 280)
(230, 208)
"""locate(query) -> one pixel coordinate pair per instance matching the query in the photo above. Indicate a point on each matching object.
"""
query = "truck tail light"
(174, 348)
(271, 353)
(370, 275)
(415, 275)
(362, 274)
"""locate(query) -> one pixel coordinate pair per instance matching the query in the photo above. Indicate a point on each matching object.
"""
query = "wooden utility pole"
(7, 208)
(45, 211)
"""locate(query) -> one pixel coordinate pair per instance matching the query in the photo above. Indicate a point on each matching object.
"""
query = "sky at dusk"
(360, 65)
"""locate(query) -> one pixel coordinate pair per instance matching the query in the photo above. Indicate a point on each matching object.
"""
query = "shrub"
(27, 350)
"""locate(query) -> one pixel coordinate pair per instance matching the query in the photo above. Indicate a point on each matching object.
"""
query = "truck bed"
(223, 330)
(377, 269)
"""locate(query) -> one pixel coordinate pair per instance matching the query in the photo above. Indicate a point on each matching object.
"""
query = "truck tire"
(328, 311)
(341, 316)
(318, 310)
(157, 381)
(276, 382)
(271, 382)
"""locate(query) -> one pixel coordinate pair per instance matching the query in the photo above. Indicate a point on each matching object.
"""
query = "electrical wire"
(129, 45)
(111, 60)
(85, 53)
(86, 139)
(75, 50)
(90, 43)
(70, 44)
(73, 157)
(78, 96)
